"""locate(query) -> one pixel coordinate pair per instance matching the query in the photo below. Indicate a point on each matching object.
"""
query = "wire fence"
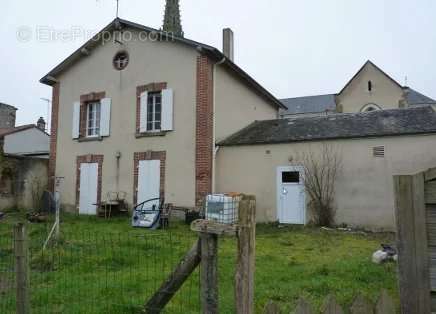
(7, 275)
(89, 272)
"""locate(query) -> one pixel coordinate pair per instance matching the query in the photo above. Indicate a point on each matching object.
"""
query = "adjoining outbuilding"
(24, 152)
(262, 159)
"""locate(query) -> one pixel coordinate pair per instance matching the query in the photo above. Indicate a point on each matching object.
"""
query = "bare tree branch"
(321, 172)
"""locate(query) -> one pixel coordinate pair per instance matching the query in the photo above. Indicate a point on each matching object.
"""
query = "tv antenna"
(118, 7)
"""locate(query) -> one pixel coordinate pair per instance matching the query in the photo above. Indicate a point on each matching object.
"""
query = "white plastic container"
(222, 208)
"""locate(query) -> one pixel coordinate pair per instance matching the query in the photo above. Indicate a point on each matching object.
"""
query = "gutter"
(214, 150)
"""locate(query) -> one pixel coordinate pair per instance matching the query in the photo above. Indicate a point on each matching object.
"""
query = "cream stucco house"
(138, 110)
(152, 114)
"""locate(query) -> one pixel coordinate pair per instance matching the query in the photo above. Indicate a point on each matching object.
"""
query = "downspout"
(214, 148)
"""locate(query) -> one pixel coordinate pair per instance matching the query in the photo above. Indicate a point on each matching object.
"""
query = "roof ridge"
(375, 112)
(307, 96)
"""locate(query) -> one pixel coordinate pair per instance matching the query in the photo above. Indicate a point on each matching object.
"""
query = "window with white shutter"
(154, 112)
(93, 115)
(156, 109)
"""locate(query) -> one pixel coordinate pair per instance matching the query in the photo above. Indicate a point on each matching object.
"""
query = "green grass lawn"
(104, 266)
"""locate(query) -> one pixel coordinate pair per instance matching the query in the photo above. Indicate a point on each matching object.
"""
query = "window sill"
(150, 134)
(90, 139)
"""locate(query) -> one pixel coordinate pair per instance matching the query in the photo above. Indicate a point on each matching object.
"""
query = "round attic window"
(121, 60)
(370, 107)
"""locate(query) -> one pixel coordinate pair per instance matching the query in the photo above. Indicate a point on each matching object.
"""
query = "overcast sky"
(293, 48)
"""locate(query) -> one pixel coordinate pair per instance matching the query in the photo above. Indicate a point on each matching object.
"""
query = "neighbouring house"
(24, 140)
(23, 162)
(27, 140)
(152, 114)
(140, 112)
(369, 89)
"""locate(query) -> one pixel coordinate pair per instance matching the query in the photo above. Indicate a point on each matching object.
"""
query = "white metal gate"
(291, 199)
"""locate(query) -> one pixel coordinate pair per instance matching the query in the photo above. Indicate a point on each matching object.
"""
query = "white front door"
(291, 199)
(88, 189)
(149, 181)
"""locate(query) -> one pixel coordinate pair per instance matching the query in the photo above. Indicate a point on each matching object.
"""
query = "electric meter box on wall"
(223, 208)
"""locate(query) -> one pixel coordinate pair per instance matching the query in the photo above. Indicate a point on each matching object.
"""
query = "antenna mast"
(118, 7)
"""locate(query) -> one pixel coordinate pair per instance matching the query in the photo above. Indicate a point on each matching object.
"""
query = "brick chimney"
(228, 43)
(41, 123)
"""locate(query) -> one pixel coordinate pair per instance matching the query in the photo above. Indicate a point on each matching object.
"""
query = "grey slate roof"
(8, 106)
(415, 98)
(309, 104)
(394, 122)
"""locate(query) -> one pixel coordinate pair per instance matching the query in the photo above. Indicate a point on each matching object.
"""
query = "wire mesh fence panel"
(226, 274)
(90, 272)
(7, 274)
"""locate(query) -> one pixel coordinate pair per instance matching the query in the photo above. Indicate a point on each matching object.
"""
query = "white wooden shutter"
(143, 112)
(76, 120)
(167, 110)
(105, 117)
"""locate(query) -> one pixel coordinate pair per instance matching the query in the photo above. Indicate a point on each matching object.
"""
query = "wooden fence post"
(21, 269)
(209, 273)
(414, 277)
(244, 277)
(170, 287)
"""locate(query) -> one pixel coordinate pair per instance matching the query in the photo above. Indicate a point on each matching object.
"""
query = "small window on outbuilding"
(378, 151)
(369, 86)
(290, 177)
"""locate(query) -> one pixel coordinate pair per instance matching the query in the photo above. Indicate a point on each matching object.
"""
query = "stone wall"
(22, 181)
